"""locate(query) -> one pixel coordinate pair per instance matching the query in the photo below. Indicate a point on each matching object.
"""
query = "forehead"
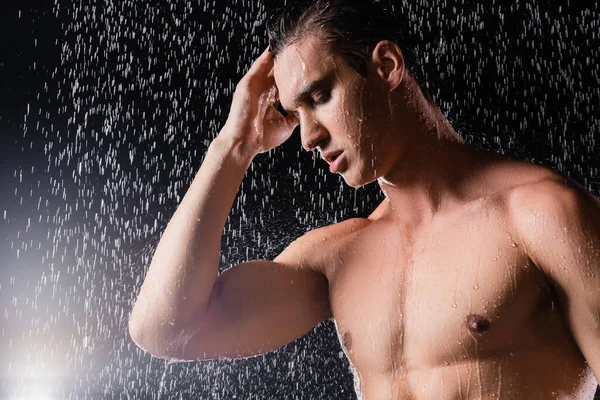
(300, 63)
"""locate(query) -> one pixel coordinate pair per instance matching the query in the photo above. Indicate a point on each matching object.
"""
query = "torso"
(452, 310)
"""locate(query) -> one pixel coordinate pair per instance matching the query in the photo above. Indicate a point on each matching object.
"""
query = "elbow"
(133, 331)
(136, 335)
(157, 348)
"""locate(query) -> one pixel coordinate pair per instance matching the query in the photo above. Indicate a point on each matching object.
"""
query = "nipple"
(347, 341)
(477, 323)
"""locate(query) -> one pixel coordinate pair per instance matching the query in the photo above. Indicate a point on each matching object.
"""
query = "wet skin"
(435, 295)
(451, 310)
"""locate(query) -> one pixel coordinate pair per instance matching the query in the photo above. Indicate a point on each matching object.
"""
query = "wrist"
(235, 148)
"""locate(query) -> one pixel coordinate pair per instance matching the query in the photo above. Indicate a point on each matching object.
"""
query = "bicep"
(257, 307)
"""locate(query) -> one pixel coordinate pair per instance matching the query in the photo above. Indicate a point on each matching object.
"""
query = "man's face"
(343, 111)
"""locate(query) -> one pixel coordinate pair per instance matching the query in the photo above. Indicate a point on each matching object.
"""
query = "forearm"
(185, 264)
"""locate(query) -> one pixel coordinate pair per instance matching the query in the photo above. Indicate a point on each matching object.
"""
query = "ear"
(389, 62)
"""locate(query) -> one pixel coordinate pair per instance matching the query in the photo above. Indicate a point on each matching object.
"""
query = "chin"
(357, 182)
(354, 185)
(350, 180)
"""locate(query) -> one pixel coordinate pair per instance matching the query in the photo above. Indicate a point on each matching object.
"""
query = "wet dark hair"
(351, 28)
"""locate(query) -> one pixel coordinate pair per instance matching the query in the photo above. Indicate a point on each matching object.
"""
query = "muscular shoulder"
(551, 207)
(315, 248)
(553, 197)
(524, 188)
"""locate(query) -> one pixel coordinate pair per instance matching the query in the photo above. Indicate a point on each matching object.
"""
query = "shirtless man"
(476, 277)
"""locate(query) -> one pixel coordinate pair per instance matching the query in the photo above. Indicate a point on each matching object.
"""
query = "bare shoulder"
(547, 208)
(553, 196)
(524, 187)
(315, 248)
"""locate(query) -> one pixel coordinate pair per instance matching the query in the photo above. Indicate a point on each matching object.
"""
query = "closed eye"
(323, 99)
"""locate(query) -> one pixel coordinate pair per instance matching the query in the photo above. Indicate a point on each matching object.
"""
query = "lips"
(336, 165)
(330, 157)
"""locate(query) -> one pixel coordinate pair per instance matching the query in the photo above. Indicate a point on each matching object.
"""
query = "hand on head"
(253, 117)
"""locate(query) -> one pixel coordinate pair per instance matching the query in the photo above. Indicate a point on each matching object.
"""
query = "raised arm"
(185, 265)
(260, 306)
(179, 283)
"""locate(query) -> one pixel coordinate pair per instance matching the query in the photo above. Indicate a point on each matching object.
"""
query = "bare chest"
(460, 291)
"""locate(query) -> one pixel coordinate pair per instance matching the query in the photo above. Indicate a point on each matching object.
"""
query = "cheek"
(354, 109)
(349, 114)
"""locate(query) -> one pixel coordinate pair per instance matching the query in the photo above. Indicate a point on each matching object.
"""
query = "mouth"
(336, 164)
(331, 156)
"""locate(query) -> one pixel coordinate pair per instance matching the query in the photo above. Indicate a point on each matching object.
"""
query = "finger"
(263, 63)
(263, 58)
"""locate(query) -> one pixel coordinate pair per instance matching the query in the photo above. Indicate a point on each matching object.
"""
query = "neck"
(432, 162)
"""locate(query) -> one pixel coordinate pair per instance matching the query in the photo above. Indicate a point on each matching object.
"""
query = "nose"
(312, 134)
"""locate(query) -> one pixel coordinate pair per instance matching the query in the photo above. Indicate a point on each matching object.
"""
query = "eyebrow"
(309, 89)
